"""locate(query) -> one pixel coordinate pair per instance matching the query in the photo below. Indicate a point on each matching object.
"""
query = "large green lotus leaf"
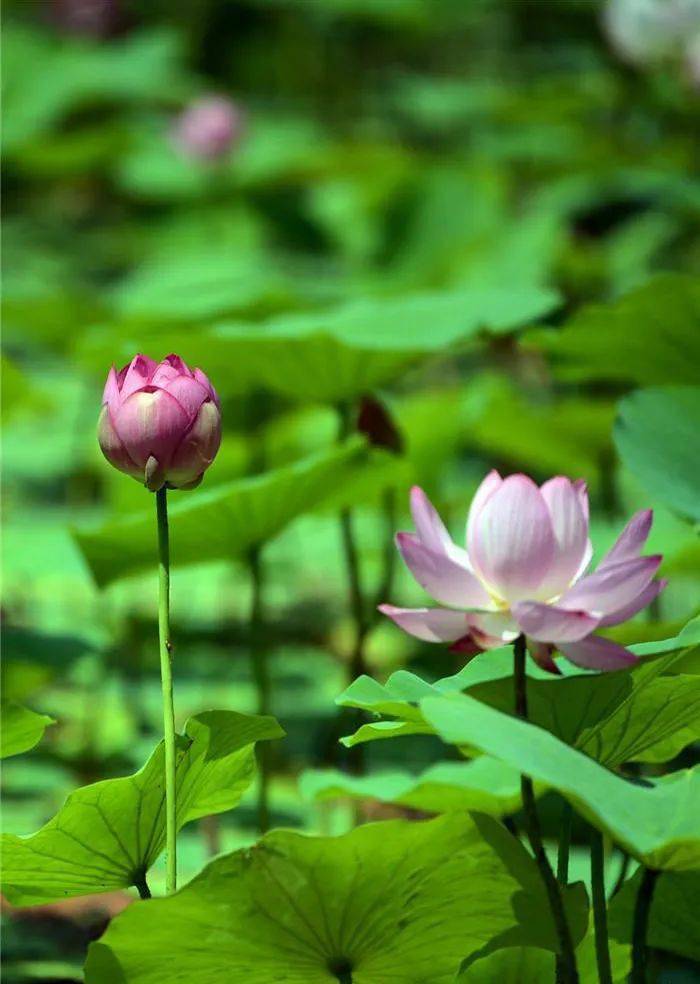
(527, 965)
(636, 715)
(562, 436)
(656, 433)
(200, 284)
(484, 784)
(655, 822)
(221, 522)
(399, 324)
(107, 835)
(74, 74)
(622, 716)
(648, 336)
(20, 728)
(336, 354)
(389, 902)
(673, 919)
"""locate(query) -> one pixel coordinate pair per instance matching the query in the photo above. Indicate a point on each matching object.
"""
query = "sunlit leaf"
(20, 728)
(637, 715)
(108, 835)
(629, 715)
(655, 433)
(201, 284)
(564, 436)
(220, 522)
(388, 901)
(484, 785)
(327, 356)
(648, 336)
(74, 75)
(655, 822)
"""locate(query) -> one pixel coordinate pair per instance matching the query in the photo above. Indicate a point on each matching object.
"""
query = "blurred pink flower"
(160, 422)
(209, 128)
(524, 571)
(90, 18)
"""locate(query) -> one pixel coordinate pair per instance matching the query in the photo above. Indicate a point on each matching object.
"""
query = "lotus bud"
(208, 128)
(160, 422)
(87, 18)
(376, 423)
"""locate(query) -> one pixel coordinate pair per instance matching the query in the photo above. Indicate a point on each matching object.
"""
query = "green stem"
(357, 607)
(568, 971)
(600, 913)
(142, 886)
(166, 675)
(563, 866)
(356, 602)
(390, 553)
(642, 910)
(261, 676)
(564, 844)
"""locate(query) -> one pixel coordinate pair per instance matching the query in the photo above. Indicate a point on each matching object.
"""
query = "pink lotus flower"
(209, 127)
(160, 422)
(524, 571)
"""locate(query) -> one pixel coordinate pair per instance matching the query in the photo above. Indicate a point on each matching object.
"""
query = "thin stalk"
(356, 600)
(166, 676)
(642, 910)
(386, 581)
(564, 844)
(600, 912)
(355, 595)
(567, 971)
(563, 867)
(261, 676)
(352, 560)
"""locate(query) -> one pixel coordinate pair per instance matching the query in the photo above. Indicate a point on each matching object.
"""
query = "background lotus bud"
(160, 422)
(208, 128)
(89, 18)
(378, 426)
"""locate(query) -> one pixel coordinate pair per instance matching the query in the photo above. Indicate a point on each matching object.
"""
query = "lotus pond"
(351, 487)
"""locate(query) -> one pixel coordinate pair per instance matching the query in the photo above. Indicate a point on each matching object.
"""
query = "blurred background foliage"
(469, 231)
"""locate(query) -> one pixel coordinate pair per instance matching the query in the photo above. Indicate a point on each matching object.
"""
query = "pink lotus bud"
(208, 128)
(160, 422)
(525, 572)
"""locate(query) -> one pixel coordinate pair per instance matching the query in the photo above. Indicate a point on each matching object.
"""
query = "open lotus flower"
(160, 422)
(524, 572)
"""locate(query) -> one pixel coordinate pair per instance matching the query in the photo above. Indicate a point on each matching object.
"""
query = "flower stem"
(389, 511)
(564, 844)
(142, 886)
(356, 600)
(166, 675)
(261, 675)
(600, 914)
(568, 972)
(563, 865)
(642, 910)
